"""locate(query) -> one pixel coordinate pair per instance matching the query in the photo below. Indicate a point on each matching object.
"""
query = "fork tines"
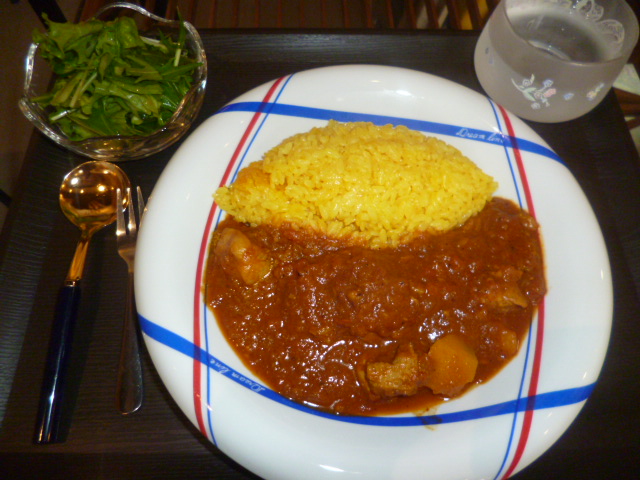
(128, 225)
(140, 199)
(124, 227)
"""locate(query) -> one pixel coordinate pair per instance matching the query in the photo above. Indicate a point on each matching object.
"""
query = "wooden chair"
(380, 14)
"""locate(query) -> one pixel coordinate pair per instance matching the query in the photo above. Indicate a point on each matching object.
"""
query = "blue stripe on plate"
(541, 401)
(484, 136)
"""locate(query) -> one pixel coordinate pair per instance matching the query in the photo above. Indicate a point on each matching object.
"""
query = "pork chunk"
(399, 377)
(239, 256)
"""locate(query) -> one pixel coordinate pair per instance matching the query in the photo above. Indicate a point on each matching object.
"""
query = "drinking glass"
(554, 60)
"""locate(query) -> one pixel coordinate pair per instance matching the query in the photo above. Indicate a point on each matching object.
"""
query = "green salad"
(110, 79)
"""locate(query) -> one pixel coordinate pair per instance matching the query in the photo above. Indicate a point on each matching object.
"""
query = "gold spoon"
(88, 199)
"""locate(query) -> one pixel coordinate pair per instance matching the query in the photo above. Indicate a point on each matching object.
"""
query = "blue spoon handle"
(51, 412)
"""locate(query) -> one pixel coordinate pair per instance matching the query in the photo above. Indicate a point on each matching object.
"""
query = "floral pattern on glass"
(537, 95)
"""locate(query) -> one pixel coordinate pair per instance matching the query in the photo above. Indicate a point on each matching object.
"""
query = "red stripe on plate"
(537, 357)
(197, 320)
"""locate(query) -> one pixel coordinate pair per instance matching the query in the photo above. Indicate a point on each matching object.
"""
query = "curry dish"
(362, 331)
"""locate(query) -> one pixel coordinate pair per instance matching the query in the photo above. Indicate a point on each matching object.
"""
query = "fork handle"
(50, 422)
(129, 390)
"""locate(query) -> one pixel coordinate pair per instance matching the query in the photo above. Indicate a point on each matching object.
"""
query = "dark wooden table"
(37, 244)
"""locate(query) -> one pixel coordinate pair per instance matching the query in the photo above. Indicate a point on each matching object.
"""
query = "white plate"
(493, 431)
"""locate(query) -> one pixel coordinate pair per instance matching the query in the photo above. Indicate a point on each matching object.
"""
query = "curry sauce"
(362, 331)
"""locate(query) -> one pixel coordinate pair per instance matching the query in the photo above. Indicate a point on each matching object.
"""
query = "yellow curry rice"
(376, 186)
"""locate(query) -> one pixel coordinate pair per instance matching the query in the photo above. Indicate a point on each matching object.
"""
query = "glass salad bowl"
(119, 147)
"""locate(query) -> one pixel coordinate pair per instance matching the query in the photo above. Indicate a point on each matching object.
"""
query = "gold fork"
(129, 390)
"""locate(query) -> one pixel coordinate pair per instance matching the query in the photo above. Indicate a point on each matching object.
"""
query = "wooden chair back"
(373, 14)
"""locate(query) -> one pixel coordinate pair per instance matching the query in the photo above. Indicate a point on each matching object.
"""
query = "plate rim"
(359, 69)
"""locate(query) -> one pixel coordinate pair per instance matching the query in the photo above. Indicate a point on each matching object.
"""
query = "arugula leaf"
(110, 79)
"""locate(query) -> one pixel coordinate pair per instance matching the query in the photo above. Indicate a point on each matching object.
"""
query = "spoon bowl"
(88, 198)
(87, 194)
